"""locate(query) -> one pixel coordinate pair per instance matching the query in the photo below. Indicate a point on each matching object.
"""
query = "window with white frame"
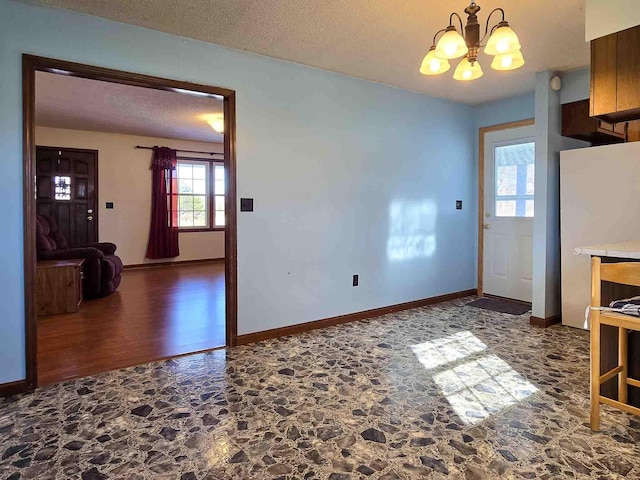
(200, 190)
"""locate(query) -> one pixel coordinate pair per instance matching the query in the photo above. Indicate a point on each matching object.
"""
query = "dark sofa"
(102, 269)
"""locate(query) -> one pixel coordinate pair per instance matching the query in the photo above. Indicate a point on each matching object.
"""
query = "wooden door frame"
(96, 177)
(32, 64)
(481, 141)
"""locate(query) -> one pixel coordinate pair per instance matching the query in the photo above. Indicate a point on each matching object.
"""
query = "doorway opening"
(506, 175)
(87, 207)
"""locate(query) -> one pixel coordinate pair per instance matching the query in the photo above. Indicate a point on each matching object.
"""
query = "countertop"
(627, 249)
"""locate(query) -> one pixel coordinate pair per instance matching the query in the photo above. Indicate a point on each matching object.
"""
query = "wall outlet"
(355, 280)
(458, 204)
(109, 205)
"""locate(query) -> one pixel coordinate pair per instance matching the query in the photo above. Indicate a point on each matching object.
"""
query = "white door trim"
(481, 141)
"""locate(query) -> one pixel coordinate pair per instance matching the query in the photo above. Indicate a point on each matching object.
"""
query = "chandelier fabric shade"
(432, 65)
(503, 45)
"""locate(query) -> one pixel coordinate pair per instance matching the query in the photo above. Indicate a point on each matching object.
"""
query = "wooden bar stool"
(626, 273)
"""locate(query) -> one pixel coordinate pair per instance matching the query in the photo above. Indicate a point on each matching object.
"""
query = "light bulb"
(466, 74)
(502, 46)
(506, 61)
(434, 65)
(217, 123)
(450, 49)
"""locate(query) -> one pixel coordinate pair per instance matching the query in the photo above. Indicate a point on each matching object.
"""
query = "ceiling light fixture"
(503, 45)
(216, 122)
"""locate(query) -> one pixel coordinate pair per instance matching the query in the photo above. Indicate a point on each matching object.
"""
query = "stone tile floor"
(447, 391)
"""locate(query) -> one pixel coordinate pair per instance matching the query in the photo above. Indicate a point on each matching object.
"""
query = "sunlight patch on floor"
(478, 387)
(444, 351)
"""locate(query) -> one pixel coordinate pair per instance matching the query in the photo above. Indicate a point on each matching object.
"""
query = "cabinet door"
(628, 60)
(603, 75)
(634, 131)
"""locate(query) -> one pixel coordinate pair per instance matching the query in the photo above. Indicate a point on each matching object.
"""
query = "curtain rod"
(185, 151)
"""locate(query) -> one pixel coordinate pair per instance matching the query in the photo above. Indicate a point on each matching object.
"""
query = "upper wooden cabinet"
(615, 76)
(576, 123)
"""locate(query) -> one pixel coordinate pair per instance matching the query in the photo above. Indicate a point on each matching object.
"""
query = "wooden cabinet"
(576, 123)
(628, 78)
(58, 286)
(633, 131)
(615, 76)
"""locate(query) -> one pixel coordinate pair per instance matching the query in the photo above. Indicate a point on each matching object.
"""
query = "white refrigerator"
(599, 203)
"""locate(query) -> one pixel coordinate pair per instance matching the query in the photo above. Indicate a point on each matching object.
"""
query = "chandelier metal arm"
(438, 33)
(459, 18)
(486, 28)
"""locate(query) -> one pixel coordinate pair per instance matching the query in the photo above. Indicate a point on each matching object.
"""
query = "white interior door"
(509, 169)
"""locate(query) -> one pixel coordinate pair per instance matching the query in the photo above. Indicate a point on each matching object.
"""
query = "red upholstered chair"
(102, 269)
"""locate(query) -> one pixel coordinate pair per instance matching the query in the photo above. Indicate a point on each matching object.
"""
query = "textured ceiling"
(80, 104)
(379, 40)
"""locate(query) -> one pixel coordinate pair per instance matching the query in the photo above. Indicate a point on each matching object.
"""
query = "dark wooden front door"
(66, 189)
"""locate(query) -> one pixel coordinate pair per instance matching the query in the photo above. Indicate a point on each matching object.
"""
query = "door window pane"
(531, 172)
(506, 180)
(514, 180)
(63, 188)
(506, 208)
(529, 208)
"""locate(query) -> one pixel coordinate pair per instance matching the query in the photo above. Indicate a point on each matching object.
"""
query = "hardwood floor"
(156, 313)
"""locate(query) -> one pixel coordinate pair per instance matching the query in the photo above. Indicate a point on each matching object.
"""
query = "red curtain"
(163, 234)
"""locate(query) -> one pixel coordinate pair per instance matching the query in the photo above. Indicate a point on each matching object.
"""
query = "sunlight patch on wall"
(478, 387)
(411, 230)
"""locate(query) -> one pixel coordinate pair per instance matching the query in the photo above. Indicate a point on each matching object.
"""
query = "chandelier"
(503, 45)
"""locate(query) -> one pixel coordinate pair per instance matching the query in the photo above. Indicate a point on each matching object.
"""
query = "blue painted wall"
(575, 85)
(504, 111)
(348, 176)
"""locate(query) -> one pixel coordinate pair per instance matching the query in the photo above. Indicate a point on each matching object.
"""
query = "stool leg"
(623, 352)
(595, 371)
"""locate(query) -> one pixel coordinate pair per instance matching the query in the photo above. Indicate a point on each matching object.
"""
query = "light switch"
(246, 204)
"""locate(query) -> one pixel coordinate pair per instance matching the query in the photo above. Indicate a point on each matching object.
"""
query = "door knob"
(90, 217)
(486, 226)
(488, 215)
(90, 211)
